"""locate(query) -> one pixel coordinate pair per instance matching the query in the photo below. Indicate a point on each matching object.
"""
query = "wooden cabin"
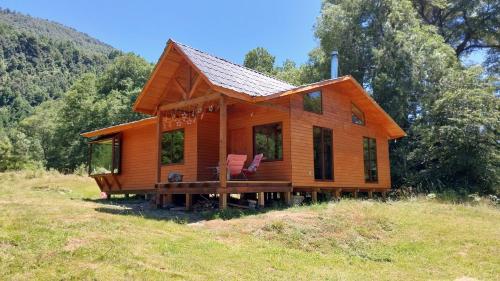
(329, 136)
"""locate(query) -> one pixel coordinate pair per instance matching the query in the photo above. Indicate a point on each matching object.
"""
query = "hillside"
(50, 29)
(39, 60)
(55, 227)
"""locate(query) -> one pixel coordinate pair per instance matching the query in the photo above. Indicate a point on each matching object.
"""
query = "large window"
(172, 147)
(268, 139)
(323, 153)
(313, 102)
(370, 156)
(105, 155)
(358, 117)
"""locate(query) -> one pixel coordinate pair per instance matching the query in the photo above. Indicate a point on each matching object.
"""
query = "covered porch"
(227, 128)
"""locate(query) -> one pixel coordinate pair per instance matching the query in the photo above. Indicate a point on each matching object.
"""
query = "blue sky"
(225, 28)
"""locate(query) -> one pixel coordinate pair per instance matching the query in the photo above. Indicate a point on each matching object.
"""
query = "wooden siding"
(347, 143)
(242, 117)
(138, 158)
(189, 166)
(208, 145)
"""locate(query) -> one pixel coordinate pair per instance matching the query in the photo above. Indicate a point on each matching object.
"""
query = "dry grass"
(52, 227)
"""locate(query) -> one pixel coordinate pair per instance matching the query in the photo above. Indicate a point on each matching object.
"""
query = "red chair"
(235, 163)
(252, 169)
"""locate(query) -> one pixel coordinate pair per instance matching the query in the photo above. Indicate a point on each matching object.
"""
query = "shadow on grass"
(142, 208)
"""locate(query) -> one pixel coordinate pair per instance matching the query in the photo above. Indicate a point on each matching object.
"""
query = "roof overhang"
(119, 128)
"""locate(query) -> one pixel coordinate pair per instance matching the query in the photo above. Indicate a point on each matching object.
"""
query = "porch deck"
(212, 187)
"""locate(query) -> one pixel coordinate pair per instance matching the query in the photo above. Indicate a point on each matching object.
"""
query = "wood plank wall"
(208, 145)
(347, 143)
(242, 117)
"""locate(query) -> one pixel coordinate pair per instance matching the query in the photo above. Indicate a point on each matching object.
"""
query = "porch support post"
(314, 196)
(159, 135)
(189, 201)
(287, 197)
(261, 199)
(223, 151)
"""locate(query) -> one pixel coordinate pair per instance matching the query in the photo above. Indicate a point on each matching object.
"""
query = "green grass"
(53, 227)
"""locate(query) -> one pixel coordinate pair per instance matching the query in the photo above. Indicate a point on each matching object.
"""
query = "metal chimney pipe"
(335, 65)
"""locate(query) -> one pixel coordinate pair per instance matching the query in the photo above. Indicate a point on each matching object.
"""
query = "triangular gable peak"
(183, 72)
(173, 79)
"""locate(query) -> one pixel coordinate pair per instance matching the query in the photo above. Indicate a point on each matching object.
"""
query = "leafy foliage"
(405, 53)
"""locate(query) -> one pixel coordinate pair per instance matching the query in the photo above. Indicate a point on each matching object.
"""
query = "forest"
(410, 55)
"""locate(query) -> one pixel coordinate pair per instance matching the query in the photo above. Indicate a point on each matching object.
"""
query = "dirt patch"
(73, 244)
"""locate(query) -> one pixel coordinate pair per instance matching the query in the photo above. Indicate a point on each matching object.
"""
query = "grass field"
(52, 227)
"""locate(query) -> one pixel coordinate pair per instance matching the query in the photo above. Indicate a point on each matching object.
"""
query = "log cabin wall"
(347, 143)
(189, 166)
(241, 119)
(208, 146)
(138, 158)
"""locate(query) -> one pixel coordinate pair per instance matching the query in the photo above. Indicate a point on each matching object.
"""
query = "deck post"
(169, 199)
(159, 135)
(189, 201)
(222, 201)
(314, 196)
(223, 151)
(287, 196)
(338, 193)
(370, 193)
(261, 199)
(355, 193)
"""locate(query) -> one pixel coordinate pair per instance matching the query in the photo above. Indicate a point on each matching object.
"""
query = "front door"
(237, 141)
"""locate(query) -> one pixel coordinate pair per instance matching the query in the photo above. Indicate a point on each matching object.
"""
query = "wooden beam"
(287, 196)
(314, 197)
(262, 104)
(183, 91)
(261, 200)
(190, 102)
(195, 86)
(189, 201)
(223, 142)
(222, 201)
(158, 153)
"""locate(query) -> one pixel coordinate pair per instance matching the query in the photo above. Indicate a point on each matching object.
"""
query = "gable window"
(313, 102)
(268, 139)
(370, 157)
(323, 153)
(172, 147)
(358, 117)
(105, 155)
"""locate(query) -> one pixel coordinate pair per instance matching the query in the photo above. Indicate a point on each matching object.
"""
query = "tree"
(459, 137)
(467, 25)
(406, 64)
(261, 60)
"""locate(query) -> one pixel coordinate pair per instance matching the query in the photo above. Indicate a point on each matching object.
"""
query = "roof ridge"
(238, 65)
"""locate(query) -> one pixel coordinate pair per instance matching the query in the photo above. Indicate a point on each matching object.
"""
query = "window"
(358, 117)
(268, 139)
(313, 102)
(172, 147)
(370, 156)
(105, 155)
(323, 153)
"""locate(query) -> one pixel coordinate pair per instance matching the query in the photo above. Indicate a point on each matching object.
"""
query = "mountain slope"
(53, 30)
(39, 60)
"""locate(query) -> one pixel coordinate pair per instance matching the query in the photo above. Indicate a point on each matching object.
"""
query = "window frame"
(323, 154)
(321, 101)
(183, 147)
(115, 139)
(265, 159)
(362, 119)
(366, 171)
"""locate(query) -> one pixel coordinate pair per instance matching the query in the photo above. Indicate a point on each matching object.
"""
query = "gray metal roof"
(232, 76)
